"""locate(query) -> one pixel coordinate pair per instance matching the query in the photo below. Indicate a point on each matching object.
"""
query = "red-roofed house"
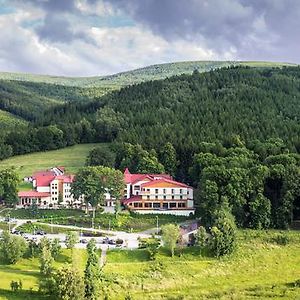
(157, 193)
(51, 188)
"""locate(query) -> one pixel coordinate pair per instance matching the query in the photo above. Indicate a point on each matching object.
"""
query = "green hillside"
(158, 71)
(72, 158)
(9, 121)
(29, 95)
(29, 99)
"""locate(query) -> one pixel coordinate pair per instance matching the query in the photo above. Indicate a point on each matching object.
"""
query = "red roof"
(164, 180)
(44, 180)
(133, 178)
(33, 194)
(65, 178)
(132, 199)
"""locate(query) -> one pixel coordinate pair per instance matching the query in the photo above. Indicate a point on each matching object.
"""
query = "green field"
(27, 270)
(261, 269)
(72, 158)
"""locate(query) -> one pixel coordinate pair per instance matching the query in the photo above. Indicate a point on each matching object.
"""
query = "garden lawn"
(71, 157)
(261, 269)
(28, 213)
(124, 222)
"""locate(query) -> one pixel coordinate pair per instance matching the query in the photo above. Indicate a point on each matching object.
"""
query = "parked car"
(83, 241)
(40, 232)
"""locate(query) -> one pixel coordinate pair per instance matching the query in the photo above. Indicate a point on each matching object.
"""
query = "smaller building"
(51, 188)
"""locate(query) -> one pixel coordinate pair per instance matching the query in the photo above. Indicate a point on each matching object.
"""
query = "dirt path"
(102, 260)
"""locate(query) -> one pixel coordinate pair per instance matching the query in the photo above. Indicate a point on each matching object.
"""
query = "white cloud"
(115, 49)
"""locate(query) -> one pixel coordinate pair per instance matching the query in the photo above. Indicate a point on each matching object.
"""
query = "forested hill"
(159, 71)
(251, 103)
(188, 109)
(28, 100)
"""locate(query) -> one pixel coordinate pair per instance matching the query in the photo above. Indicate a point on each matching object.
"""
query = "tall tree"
(170, 235)
(168, 158)
(95, 182)
(69, 284)
(9, 181)
(12, 247)
(46, 261)
(92, 272)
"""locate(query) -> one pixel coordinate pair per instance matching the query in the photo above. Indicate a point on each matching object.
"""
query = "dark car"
(40, 232)
(83, 241)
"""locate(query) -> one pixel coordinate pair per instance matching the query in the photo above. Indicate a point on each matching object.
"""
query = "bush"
(12, 247)
(16, 285)
(223, 235)
(281, 239)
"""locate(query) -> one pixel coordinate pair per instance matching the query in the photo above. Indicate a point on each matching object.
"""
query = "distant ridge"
(152, 72)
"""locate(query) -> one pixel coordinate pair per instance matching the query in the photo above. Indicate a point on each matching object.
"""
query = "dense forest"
(236, 123)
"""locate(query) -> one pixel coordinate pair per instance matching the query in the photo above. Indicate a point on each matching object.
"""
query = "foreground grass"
(261, 269)
(71, 157)
(27, 270)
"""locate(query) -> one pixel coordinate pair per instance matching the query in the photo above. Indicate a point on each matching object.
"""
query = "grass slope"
(27, 270)
(71, 157)
(9, 121)
(261, 269)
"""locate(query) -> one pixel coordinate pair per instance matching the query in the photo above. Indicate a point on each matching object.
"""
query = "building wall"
(43, 189)
(166, 212)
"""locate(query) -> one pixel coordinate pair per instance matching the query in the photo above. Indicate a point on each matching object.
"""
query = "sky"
(101, 37)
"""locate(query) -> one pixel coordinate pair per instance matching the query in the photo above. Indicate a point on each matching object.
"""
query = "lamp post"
(9, 222)
(51, 224)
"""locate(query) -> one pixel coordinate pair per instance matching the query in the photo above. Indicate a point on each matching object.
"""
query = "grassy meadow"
(72, 158)
(27, 270)
(260, 269)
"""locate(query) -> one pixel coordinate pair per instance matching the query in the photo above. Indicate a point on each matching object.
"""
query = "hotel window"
(135, 204)
(180, 197)
(156, 191)
(172, 204)
(156, 197)
(164, 191)
(156, 205)
(180, 191)
(165, 205)
(172, 197)
(148, 190)
(148, 205)
(148, 197)
(181, 204)
(136, 187)
(172, 191)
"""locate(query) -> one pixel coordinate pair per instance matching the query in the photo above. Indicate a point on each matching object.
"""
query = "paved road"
(130, 240)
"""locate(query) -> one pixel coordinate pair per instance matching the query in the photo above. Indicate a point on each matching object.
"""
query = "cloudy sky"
(99, 37)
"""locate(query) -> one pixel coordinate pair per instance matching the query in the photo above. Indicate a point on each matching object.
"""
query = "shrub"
(281, 239)
(12, 247)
